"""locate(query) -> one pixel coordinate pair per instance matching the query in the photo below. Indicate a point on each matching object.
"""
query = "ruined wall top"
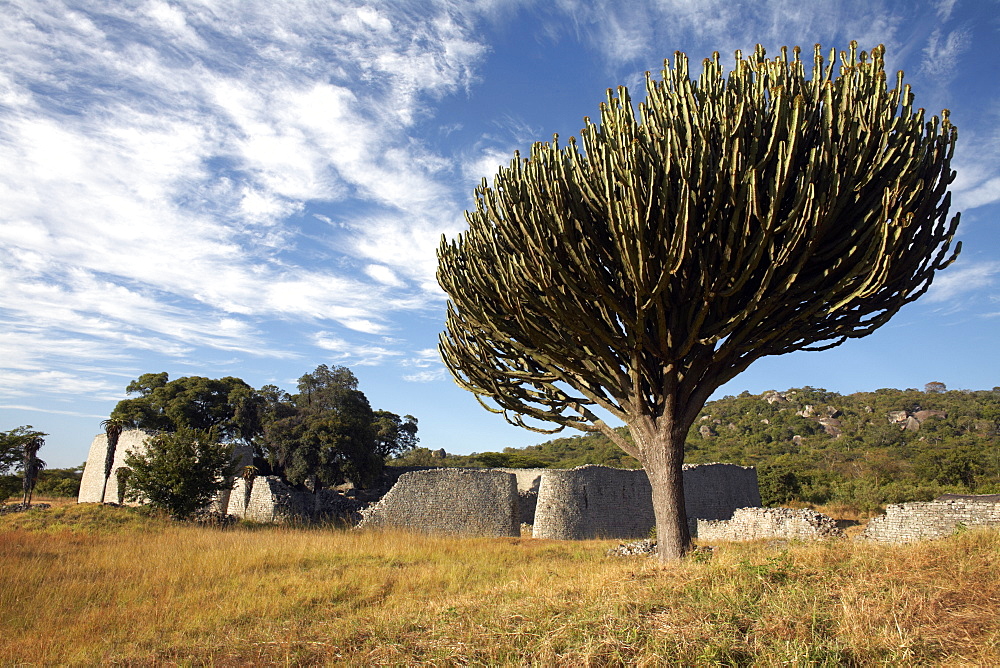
(477, 502)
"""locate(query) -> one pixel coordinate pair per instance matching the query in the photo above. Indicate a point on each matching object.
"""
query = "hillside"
(812, 446)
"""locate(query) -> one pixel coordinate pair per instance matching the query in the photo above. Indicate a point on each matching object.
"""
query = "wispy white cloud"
(961, 280)
(57, 382)
(942, 53)
(945, 8)
(354, 354)
(424, 358)
(624, 32)
(426, 376)
(155, 158)
(429, 361)
(51, 410)
(977, 163)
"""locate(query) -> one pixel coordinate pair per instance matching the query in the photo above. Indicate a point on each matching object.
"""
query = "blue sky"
(253, 188)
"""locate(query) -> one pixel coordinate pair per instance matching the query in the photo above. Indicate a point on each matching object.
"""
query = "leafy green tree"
(509, 460)
(59, 482)
(30, 463)
(19, 449)
(326, 433)
(394, 435)
(181, 471)
(778, 484)
(737, 215)
(227, 404)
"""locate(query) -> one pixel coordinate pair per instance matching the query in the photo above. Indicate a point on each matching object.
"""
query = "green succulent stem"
(739, 214)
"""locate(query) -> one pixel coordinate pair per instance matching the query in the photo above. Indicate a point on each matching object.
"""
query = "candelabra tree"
(734, 215)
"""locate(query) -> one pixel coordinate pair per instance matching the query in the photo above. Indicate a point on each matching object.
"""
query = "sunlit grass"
(92, 585)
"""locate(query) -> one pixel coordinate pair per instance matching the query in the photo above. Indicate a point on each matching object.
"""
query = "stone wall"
(593, 502)
(266, 499)
(909, 522)
(597, 501)
(459, 501)
(132, 440)
(92, 482)
(270, 499)
(715, 491)
(769, 523)
(528, 483)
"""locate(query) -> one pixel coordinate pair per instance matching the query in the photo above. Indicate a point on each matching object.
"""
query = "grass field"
(89, 585)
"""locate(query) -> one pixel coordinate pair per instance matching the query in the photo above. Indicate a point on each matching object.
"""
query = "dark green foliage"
(328, 433)
(394, 435)
(19, 449)
(322, 435)
(9, 486)
(510, 460)
(227, 404)
(181, 471)
(12, 447)
(59, 482)
(778, 484)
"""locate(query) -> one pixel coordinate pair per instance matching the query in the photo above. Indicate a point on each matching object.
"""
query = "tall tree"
(737, 215)
(194, 402)
(324, 434)
(19, 449)
(394, 435)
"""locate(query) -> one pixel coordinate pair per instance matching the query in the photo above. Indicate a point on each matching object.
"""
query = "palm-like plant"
(31, 465)
(113, 428)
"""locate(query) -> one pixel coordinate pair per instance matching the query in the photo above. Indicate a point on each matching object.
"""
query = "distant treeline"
(51, 482)
(812, 446)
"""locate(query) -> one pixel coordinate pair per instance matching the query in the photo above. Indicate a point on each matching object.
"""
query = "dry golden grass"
(88, 585)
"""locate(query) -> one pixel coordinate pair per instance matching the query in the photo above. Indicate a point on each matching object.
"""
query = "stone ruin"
(269, 499)
(722, 500)
(749, 524)
(131, 441)
(586, 502)
(477, 502)
(910, 522)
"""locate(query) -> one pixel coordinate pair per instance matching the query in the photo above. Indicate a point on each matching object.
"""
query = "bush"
(180, 471)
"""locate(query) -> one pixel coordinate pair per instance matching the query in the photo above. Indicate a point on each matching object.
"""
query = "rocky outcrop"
(912, 421)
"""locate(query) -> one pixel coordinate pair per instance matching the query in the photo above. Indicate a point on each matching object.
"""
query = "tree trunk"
(29, 485)
(662, 451)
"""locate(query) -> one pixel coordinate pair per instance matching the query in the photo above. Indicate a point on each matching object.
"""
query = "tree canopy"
(19, 449)
(325, 433)
(328, 433)
(734, 215)
(192, 402)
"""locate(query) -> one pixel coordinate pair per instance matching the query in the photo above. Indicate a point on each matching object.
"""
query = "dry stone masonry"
(593, 502)
(715, 491)
(459, 501)
(910, 522)
(92, 482)
(769, 523)
(269, 499)
(528, 483)
(602, 502)
(134, 441)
